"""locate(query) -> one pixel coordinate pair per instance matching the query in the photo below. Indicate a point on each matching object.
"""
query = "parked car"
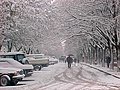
(53, 60)
(10, 76)
(9, 62)
(38, 60)
(18, 56)
(62, 58)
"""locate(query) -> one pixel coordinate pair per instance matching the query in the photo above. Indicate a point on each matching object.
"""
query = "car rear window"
(10, 56)
(2, 56)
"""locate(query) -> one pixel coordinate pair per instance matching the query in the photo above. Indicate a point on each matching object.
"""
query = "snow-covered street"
(59, 77)
(39, 37)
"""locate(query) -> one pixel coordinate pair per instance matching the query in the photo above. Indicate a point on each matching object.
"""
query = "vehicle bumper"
(53, 62)
(18, 76)
(30, 73)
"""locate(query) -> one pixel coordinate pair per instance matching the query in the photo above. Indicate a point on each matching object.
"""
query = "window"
(10, 56)
(20, 57)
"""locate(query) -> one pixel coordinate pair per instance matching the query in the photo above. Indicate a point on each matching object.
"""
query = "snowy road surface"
(59, 77)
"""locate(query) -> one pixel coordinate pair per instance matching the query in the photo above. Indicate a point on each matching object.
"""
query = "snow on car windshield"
(14, 62)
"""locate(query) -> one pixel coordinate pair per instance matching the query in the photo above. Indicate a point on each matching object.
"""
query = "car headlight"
(16, 73)
(19, 73)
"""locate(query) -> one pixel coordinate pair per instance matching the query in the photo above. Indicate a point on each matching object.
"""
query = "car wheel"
(14, 82)
(40, 67)
(46, 65)
(36, 67)
(25, 72)
(4, 81)
(26, 62)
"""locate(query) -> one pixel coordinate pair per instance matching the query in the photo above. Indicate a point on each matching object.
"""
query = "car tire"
(26, 62)
(25, 72)
(40, 67)
(4, 81)
(20, 79)
(37, 67)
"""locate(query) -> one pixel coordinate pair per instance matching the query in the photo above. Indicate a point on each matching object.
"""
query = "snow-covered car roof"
(11, 53)
(15, 63)
(35, 55)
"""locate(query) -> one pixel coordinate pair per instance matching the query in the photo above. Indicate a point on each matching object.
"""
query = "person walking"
(69, 60)
(108, 60)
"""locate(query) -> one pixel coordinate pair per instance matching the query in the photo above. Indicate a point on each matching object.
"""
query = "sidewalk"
(104, 69)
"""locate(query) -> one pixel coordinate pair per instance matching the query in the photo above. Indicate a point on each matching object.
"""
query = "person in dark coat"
(69, 61)
(108, 60)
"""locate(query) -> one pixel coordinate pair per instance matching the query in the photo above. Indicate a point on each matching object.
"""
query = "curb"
(116, 76)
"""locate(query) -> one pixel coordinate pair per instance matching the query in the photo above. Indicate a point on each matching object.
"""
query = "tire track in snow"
(95, 81)
(53, 86)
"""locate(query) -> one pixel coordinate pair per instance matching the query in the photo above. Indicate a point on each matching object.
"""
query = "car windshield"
(2, 56)
(20, 57)
(10, 56)
(14, 62)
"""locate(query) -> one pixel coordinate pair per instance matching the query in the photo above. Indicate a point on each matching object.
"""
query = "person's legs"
(68, 65)
(107, 65)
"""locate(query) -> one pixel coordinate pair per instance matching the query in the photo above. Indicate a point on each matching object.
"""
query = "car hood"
(8, 70)
(25, 66)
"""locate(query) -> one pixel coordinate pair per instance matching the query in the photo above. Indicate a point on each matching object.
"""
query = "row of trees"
(29, 26)
(90, 27)
(95, 26)
(14, 34)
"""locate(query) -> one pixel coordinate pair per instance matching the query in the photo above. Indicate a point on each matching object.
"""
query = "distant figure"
(69, 61)
(75, 61)
(62, 58)
(108, 60)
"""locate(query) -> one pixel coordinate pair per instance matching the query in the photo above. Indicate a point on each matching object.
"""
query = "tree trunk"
(10, 45)
(99, 52)
(89, 55)
(103, 58)
(95, 60)
(111, 56)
